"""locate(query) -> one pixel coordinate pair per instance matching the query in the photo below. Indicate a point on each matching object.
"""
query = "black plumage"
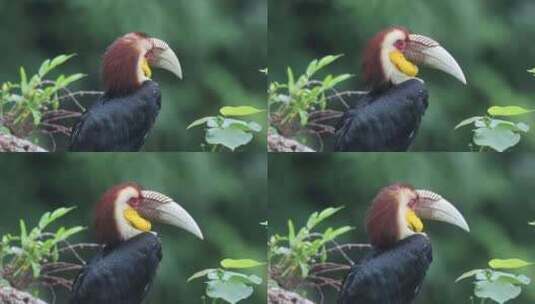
(121, 274)
(118, 123)
(390, 276)
(386, 120)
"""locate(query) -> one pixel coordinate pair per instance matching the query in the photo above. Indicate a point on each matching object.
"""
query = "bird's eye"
(134, 202)
(400, 44)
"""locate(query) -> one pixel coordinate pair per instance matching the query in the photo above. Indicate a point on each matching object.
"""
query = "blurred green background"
(491, 39)
(493, 192)
(221, 46)
(225, 194)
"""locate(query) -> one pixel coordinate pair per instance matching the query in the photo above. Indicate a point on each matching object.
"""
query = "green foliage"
(508, 263)
(230, 286)
(291, 256)
(497, 285)
(494, 133)
(231, 133)
(23, 256)
(23, 105)
(297, 98)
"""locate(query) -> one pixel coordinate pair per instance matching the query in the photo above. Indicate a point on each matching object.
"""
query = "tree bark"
(282, 296)
(279, 143)
(10, 143)
(9, 295)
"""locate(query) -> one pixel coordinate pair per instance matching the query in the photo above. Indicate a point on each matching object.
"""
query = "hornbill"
(388, 117)
(121, 119)
(123, 270)
(393, 272)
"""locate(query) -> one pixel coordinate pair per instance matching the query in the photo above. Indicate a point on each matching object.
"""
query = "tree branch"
(282, 296)
(9, 295)
(10, 143)
(278, 143)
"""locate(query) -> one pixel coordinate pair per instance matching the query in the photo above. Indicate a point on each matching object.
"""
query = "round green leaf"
(239, 111)
(230, 137)
(508, 111)
(240, 263)
(508, 263)
(498, 291)
(499, 139)
(232, 292)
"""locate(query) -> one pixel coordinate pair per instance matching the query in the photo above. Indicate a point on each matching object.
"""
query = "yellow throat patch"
(405, 66)
(136, 220)
(146, 68)
(414, 221)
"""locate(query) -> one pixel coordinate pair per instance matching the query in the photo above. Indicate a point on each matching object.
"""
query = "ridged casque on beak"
(432, 206)
(161, 208)
(422, 49)
(162, 56)
(398, 210)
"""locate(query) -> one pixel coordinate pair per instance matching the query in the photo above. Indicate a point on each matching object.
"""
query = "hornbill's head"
(127, 210)
(397, 210)
(128, 60)
(391, 58)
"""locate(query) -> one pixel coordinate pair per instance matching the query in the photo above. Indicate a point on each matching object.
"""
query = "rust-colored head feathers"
(127, 210)
(372, 65)
(126, 62)
(391, 58)
(120, 64)
(106, 224)
(382, 222)
(397, 210)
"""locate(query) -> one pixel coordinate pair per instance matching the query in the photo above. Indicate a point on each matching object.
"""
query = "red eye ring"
(412, 202)
(400, 44)
(134, 202)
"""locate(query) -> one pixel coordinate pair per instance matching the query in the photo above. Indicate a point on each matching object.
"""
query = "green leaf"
(59, 60)
(239, 111)
(468, 121)
(315, 66)
(291, 81)
(532, 71)
(240, 263)
(239, 277)
(509, 278)
(291, 232)
(499, 138)
(201, 274)
(498, 291)
(200, 121)
(60, 212)
(70, 79)
(303, 117)
(23, 233)
(23, 81)
(44, 68)
(469, 274)
(68, 233)
(532, 223)
(231, 137)
(508, 263)
(231, 292)
(508, 111)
